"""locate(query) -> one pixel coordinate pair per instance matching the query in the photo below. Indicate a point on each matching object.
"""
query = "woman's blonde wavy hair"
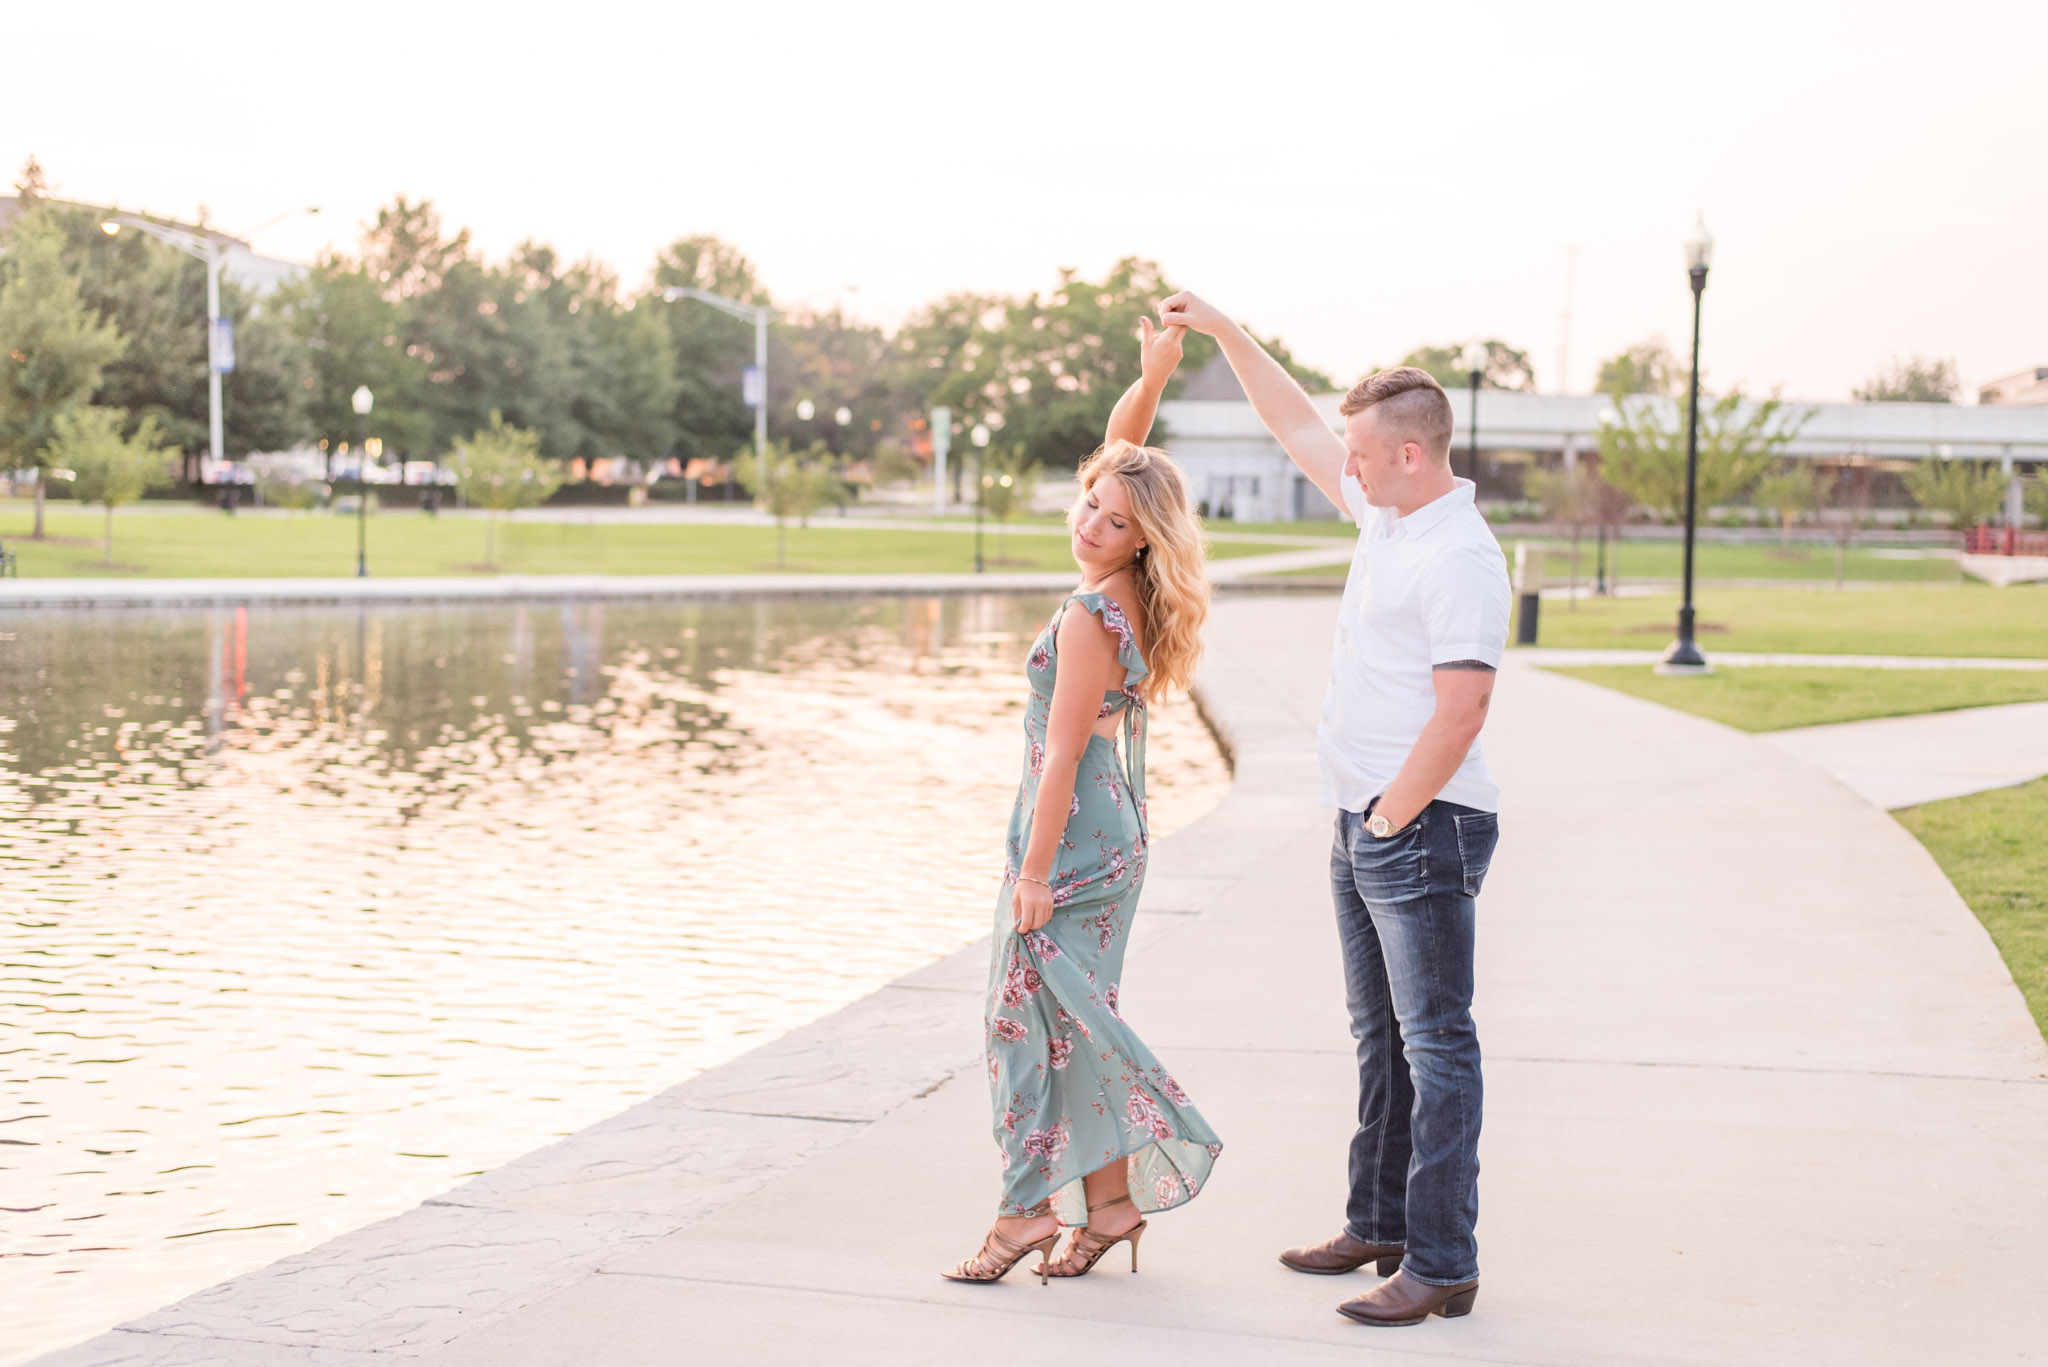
(1172, 584)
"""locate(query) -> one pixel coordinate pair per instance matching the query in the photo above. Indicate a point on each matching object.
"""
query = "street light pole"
(1683, 656)
(755, 392)
(360, 401)
(208, 250)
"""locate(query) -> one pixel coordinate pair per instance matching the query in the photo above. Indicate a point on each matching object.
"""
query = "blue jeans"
(1405, 914)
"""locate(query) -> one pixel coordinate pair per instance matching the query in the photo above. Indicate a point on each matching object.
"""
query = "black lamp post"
(360, 401)
(1475, 370)
(1683, 656)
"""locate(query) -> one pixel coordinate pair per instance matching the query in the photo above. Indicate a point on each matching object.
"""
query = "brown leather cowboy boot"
(1400, 1299)
(1342, 1254)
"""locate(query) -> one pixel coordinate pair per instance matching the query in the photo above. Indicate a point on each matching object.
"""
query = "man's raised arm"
(1280, 403)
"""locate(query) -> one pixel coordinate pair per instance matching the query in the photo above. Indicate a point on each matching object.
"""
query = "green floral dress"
(1073, 1085)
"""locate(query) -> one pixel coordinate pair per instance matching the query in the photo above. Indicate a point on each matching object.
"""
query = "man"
(1419, 636)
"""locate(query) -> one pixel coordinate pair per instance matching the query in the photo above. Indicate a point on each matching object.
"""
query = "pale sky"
(1357, 178)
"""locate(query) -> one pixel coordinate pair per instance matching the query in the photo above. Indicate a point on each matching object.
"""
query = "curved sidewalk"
(1760, 1091)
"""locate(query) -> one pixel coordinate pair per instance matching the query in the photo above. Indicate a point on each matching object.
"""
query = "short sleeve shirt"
(1424, 590)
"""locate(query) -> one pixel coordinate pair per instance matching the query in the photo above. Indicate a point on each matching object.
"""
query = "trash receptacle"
(1528, 591)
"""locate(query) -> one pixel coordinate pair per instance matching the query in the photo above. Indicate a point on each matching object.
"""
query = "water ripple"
(312, 912)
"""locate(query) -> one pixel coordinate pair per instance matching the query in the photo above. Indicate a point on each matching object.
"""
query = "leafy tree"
(1045, 371)
(796, 485)
(1506, 368)
(1847, 503)
(2036, 496)
(1009, 479)
(293, 493)
(1970, 492)
(349, 332)
(834, 364)
(500, 468)
(1915, 379)
(1645, 368)
(106, 467)
(1645, 459)
(1789, 494)
(1575, 498)
(52, 349)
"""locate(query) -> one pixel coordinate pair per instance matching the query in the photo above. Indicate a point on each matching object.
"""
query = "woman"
(1094, 1133)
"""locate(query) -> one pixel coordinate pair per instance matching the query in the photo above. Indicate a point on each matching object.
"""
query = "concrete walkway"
(1901, 761)
(1759, 1091)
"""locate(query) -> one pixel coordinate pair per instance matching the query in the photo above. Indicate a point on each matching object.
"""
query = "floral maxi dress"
(1074, 1087)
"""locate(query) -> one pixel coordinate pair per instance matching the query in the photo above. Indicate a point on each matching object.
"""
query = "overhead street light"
(1683, 656)
(220, 346)
(754, 384)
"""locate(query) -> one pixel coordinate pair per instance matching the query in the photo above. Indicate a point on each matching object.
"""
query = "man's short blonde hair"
(1413, 407)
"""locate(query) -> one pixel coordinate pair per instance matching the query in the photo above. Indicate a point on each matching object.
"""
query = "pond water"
(312, 912)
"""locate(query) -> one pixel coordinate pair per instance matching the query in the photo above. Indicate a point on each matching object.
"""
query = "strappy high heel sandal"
(999, 1253)
(1090, 1246)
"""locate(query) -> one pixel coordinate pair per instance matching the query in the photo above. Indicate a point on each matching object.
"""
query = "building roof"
(1510, 420)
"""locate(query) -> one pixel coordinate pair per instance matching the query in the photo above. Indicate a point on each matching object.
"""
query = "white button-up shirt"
(1424, 590)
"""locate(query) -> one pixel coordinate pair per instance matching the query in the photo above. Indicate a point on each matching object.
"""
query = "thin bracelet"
(1025, 878)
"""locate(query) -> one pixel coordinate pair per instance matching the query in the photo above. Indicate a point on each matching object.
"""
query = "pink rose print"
(1010, 1120)
(1032, 980)
(1048, 1144)
(1007, 1029)
(1041, 658)
(1109, 998)
(1042, 945)
(1037, 758)
(1073, 808)
(1173, 1092)
(1165, 1190)
(1060, 1050)
(1143, 1113)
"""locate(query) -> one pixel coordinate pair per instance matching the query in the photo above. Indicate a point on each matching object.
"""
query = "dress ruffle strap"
(1135, 669)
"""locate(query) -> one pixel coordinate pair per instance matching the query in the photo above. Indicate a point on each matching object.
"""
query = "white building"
(1239, 472)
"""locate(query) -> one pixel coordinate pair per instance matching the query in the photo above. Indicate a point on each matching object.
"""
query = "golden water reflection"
(314, 911)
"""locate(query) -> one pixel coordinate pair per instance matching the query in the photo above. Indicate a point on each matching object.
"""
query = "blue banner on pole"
(224, 346)
(752, 387)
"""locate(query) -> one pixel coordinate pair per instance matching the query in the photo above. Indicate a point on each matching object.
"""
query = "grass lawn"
(1728, 560)
(1994, 847)
(209, 545)
(1967, 619)
(1769, 698)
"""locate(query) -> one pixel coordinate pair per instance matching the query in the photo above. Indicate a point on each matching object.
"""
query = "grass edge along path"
(409, 544)
(1994, 848)
(1780, 697)
(1906, 619)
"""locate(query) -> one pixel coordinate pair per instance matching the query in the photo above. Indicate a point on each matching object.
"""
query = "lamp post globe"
(361, 401)
(1683, 656)
(805, 410)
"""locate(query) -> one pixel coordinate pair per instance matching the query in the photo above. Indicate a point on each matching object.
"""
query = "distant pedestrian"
(1419, 636)
(1094, 1133)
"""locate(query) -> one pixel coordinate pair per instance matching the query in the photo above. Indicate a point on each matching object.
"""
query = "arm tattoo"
(1465, 664)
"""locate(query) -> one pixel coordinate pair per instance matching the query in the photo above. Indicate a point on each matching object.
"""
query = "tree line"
(451, 343)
